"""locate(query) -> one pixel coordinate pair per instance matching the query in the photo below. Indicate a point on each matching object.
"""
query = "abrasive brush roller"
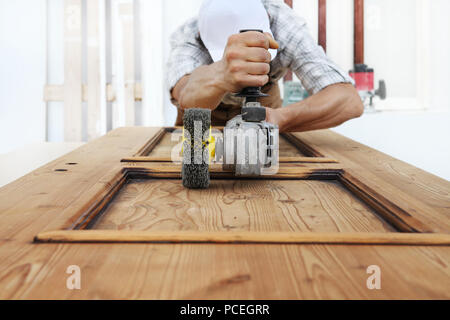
(196, 154)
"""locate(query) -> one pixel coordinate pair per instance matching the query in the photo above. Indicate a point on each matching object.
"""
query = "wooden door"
(117, 209)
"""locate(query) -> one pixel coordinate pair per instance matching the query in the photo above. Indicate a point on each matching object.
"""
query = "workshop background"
(124, 45)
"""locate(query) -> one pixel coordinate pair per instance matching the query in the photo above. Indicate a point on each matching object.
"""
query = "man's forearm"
(328, 108)
(200, 89)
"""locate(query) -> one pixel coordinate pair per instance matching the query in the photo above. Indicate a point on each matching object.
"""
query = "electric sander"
(249, 146)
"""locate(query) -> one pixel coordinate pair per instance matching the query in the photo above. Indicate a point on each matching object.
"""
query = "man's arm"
(333, 99)
(245, 63)
(200, 89)
(328, 108)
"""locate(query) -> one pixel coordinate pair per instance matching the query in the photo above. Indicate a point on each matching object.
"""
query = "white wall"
(175, 13)
(22, 72)
(440, 48)
(391, 48)
(55, 67)
(340, 32)
(406, 41)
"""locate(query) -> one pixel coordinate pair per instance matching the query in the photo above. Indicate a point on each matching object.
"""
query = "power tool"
(249, 146)
(364, 83)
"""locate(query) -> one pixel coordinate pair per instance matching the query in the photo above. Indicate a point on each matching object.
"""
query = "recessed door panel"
(239, 205)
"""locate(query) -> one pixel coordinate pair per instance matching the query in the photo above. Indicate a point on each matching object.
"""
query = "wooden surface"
(239, 205)
(47, 198)
(242, 237)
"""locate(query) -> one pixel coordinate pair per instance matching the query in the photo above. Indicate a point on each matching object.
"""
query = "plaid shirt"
(297, 52)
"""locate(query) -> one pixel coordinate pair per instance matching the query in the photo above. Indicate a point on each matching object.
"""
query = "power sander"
(249, 146)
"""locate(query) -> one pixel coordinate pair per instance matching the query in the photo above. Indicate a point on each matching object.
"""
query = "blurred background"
(71, 70)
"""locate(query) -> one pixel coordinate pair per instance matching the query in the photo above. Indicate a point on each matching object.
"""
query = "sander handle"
(251, 94)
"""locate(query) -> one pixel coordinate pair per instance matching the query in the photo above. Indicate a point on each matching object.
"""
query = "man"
(210, 60)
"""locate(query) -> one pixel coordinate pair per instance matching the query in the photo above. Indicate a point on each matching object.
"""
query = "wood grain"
(244, 237)
(281, 159)
(48, 197)
(251, 205)
(423, 196)
(287, 149)
(298, 144)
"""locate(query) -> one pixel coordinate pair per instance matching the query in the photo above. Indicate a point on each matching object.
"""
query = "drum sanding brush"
(196, 140)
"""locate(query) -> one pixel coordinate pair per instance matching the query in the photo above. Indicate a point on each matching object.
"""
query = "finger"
(255, 39)
(253, 80)
(256, 68)
(254, 54)
(272, 43)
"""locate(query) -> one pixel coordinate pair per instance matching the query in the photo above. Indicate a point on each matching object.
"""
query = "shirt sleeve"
(300, 53)
(187, 53)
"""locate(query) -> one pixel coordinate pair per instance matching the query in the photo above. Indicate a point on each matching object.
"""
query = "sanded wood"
(287, 171)
(423, 196)
(298, 144)
(239, 205)
(280, 159)
(244, 237)
(169, 146)
(49, 199)
(287, 149)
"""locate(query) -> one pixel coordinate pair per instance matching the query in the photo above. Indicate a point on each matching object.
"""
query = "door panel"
(309, 194)
(308, 231)
(239, 205)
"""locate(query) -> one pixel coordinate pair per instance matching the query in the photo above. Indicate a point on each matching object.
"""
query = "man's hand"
(246, 60)
(245, 63)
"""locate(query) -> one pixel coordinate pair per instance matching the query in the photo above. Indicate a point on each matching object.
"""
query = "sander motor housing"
(250, 147)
